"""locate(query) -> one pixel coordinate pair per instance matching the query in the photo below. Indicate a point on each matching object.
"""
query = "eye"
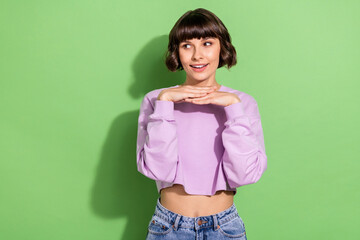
(184, 46)
(208, 42)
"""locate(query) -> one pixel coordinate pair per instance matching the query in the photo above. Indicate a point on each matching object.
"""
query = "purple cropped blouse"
(205, 148)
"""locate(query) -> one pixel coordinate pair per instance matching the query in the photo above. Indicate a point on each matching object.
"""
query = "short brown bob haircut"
(199, 23)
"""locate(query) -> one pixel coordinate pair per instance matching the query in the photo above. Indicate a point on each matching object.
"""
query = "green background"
(72, 77)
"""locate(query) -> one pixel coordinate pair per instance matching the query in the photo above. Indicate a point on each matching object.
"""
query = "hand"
(183, 92)
(217, 97)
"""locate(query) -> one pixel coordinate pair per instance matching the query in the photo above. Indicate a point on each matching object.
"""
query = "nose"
(197, 54)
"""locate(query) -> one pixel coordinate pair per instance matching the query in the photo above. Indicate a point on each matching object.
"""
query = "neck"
(210, 82)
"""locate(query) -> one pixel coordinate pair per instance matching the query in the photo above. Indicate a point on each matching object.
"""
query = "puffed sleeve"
(157, 144)
(244, 159)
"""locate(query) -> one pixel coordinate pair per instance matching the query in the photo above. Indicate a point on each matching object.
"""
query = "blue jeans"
(168, 225)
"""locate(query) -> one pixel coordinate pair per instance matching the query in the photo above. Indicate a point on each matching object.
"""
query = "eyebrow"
(204, 39)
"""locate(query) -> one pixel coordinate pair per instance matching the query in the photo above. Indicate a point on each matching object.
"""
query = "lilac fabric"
(205, 148)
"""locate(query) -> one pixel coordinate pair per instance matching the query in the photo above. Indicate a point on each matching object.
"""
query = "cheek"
(183, 57)
(214, 55)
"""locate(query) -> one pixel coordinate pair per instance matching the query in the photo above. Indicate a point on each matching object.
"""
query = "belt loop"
(215, 222)
(176, 222)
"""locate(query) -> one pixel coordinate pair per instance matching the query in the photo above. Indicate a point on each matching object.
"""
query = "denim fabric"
(168, 225)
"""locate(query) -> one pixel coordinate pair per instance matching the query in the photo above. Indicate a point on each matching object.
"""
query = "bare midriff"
(175, 199)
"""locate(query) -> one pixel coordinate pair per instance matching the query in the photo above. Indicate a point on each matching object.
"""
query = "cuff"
(234, 110)
(164, 109)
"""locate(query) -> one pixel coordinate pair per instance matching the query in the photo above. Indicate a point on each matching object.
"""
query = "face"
(199, 52)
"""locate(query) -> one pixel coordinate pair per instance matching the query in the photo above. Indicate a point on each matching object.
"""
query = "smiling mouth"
(199, 68)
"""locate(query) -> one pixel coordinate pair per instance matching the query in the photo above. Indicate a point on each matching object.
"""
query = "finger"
(196, 95)
(201, 94)
(201, 98)
(200, 89)
(209, 95)
(202, 101)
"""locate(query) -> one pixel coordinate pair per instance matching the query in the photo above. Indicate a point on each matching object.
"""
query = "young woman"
(199, 140)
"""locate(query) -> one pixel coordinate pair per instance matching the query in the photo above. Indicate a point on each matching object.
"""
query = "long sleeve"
(244, 159)
(157, 143)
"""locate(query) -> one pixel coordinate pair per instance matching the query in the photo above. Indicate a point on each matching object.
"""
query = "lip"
(198, 69)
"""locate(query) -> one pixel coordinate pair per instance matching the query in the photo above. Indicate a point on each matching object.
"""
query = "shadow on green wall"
(150, 71)
(119, 190)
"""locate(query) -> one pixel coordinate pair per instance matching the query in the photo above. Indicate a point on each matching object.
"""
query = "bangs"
(195, 26)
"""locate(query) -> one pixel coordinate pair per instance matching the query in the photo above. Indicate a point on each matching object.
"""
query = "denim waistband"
(178, 220)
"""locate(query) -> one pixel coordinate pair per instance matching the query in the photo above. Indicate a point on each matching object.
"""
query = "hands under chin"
(217, 98)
